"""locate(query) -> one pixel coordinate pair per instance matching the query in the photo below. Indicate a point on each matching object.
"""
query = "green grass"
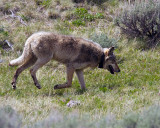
(136, 87)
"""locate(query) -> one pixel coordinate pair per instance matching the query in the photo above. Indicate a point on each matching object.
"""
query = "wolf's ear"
(106, 50)
(110, 52)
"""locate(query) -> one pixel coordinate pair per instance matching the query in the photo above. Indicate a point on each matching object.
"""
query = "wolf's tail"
(26, 55)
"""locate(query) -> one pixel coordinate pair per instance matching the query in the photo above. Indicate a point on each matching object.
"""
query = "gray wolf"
(75, 53)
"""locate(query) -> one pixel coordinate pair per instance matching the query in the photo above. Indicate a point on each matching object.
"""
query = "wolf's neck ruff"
(101, 61)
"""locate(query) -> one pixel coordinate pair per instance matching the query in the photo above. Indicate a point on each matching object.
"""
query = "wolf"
(74, 52)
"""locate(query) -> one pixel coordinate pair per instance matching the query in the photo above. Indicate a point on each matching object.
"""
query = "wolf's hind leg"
(39, 63)
(70, 72)
(81, 78)
(26, 65)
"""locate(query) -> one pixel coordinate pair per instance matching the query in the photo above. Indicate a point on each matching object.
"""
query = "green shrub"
(82, 13)
(103, 40)
(82, 16)
(46, 3)
(89, 17)
(78, 22)
(99, 16)
(143, 21)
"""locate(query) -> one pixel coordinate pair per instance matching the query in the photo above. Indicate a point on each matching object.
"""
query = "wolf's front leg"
(70, 72)
(81, 78)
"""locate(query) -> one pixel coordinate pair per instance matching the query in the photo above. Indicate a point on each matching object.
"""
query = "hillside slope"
(136, 87)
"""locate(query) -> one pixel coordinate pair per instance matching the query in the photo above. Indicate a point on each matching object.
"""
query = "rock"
(72, 103)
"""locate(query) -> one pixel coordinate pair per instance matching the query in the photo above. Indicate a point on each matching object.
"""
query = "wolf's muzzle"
(111, 69)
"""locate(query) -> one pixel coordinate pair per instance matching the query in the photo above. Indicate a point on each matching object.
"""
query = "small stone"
(72, 103)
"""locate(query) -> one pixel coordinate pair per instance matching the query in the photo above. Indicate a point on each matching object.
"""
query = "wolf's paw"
(10, 65)
(56, 86)
(13, 85)
(39, 87)
(59, 86)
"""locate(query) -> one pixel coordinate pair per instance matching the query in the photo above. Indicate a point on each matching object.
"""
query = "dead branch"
(19, 17)
(9, 44)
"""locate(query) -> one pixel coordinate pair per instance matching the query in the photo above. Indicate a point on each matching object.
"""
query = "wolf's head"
(110, 61)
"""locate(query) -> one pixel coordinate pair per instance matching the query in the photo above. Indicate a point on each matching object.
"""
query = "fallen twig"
(9, 44)
(19, 17)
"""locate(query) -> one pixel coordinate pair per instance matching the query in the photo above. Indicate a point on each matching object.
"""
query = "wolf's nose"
(119, 70)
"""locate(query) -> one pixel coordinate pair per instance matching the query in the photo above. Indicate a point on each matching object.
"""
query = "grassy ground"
(133, 89)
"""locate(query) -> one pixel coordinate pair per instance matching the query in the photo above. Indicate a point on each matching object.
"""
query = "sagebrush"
(9, 118)
(149, 118)
(103, 40)
(142, 21)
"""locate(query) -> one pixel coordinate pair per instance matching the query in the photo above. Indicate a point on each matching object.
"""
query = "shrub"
(82, 13)
(57, 120)
(78, 22)
(150, 118)
(143, 21)
(99, 16)
(147, 119)
(82, 16)
(9, 118)
(46, 3)
(130, 121)
(103, 40)
(89, 17)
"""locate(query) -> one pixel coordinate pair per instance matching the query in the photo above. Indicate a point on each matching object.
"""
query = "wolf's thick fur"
(76, 53)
